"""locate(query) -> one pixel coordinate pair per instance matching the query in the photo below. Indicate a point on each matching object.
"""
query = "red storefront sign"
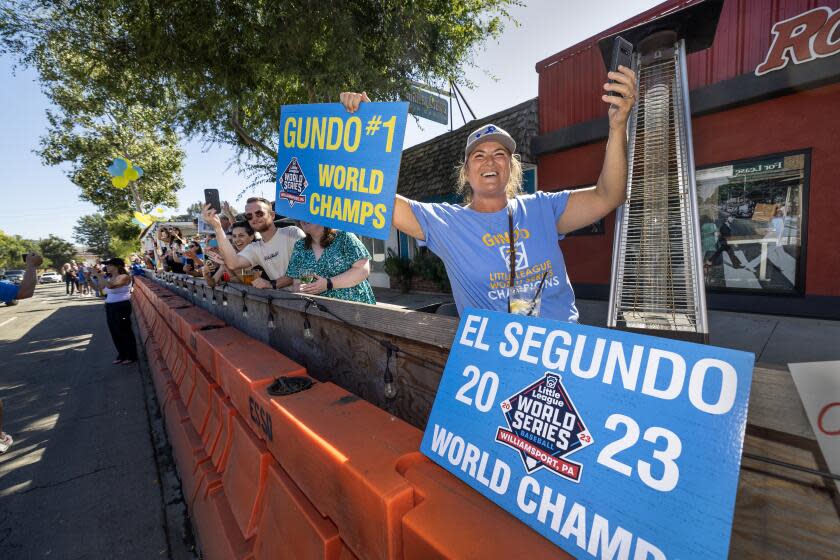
(802, 38)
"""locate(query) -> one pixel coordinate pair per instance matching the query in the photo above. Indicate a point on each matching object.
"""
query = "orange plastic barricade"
(226, 414)
(173, 408)
(342, 453)
(218, 534)
(452, 520)
(290, 527)
(210, 435)
(187, 320)
(171, 348)
(168, 301)
(142, 327)
(244, 477)
(187, 449)
(209, 344)
(242, 365)
(199, 404)
(162, 381)
(187, 385)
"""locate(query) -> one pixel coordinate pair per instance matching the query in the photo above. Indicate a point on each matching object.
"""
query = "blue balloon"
(139, 171)
(118, 167)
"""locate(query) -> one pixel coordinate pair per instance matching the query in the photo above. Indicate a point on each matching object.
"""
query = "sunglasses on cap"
(258, 214)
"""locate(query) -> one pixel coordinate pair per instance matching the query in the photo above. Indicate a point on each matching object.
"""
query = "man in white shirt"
(272, 252)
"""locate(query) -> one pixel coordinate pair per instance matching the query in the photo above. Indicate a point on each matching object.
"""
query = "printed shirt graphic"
(474, 247)
(336, 259)
(273, 256)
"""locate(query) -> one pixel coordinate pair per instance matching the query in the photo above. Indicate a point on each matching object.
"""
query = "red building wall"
(570, 81)
(808, 119)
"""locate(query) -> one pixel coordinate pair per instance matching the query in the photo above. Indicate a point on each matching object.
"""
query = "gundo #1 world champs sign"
(608, 443)
(340, 169)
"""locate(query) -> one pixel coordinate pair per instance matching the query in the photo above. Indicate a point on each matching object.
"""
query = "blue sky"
(38, 200)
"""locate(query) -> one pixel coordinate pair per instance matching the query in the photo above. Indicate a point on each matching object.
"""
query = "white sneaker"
(5, 442)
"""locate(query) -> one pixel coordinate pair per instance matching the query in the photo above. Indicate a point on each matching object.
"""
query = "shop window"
(529, 178)
(752, 223)
(408, 246)
(376, 248)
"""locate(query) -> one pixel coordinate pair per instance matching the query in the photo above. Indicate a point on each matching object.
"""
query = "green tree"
(13, 248)
(56, 251)
(121, 227)
(88, 134)
(123, 248)
(90, 122)
(229, 65)
(92, 231)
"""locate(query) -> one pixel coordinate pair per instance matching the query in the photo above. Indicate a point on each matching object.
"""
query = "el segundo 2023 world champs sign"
(340, 169)
(608, 443)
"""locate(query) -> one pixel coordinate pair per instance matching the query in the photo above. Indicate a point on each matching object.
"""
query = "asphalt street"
(81, 479)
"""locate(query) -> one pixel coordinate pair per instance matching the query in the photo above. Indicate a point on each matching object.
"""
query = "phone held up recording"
(622, 55)
(211, 197)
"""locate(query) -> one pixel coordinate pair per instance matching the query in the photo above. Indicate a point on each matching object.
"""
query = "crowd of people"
(258, 249)
(255, 248)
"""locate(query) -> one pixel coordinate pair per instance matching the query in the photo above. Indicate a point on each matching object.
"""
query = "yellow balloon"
(143, 218)
(120, 182)
(131, 174)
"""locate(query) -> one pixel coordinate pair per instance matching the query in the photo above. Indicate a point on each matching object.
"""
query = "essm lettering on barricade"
(610, 444)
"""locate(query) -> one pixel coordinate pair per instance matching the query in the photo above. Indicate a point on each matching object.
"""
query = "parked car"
(14, 276)
(50, 278)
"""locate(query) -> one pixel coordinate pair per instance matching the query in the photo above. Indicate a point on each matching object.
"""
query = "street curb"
(180, 539)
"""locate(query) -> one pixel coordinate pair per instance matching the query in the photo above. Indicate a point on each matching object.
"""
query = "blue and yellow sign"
(608, 443)
(340, 169)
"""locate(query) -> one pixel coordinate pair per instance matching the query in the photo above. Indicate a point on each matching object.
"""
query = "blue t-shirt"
(474, 248)
(8, 291)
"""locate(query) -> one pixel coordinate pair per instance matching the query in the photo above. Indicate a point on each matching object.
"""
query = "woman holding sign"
(502, 234)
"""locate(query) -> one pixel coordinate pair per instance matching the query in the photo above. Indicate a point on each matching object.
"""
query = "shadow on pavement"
(80, 480)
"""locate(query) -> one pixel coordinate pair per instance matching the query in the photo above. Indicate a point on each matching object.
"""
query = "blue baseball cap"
(489, 133)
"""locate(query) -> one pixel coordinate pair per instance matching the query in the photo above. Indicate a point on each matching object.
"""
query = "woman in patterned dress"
(339, 263)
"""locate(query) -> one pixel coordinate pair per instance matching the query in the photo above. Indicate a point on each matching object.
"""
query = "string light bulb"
(270, 323)
(224, 299)
(307, 328)
(388, 378)
(244, 304)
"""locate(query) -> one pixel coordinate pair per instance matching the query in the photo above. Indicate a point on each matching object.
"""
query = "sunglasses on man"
(258, 214)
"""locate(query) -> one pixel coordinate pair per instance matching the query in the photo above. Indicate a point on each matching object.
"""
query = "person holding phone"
(215, 271)
(500, 233)
(118, 309)
(271, 253)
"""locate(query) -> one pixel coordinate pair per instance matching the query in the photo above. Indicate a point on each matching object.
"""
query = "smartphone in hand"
(211, 197)
(622, 55)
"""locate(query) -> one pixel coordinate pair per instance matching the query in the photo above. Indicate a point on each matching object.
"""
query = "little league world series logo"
(545, 427)
(293, 183)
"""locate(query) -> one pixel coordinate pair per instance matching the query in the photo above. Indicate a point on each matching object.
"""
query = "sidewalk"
(81, 479)
(773, 339)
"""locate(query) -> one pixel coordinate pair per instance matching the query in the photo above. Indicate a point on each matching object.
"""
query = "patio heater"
(657, 285)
